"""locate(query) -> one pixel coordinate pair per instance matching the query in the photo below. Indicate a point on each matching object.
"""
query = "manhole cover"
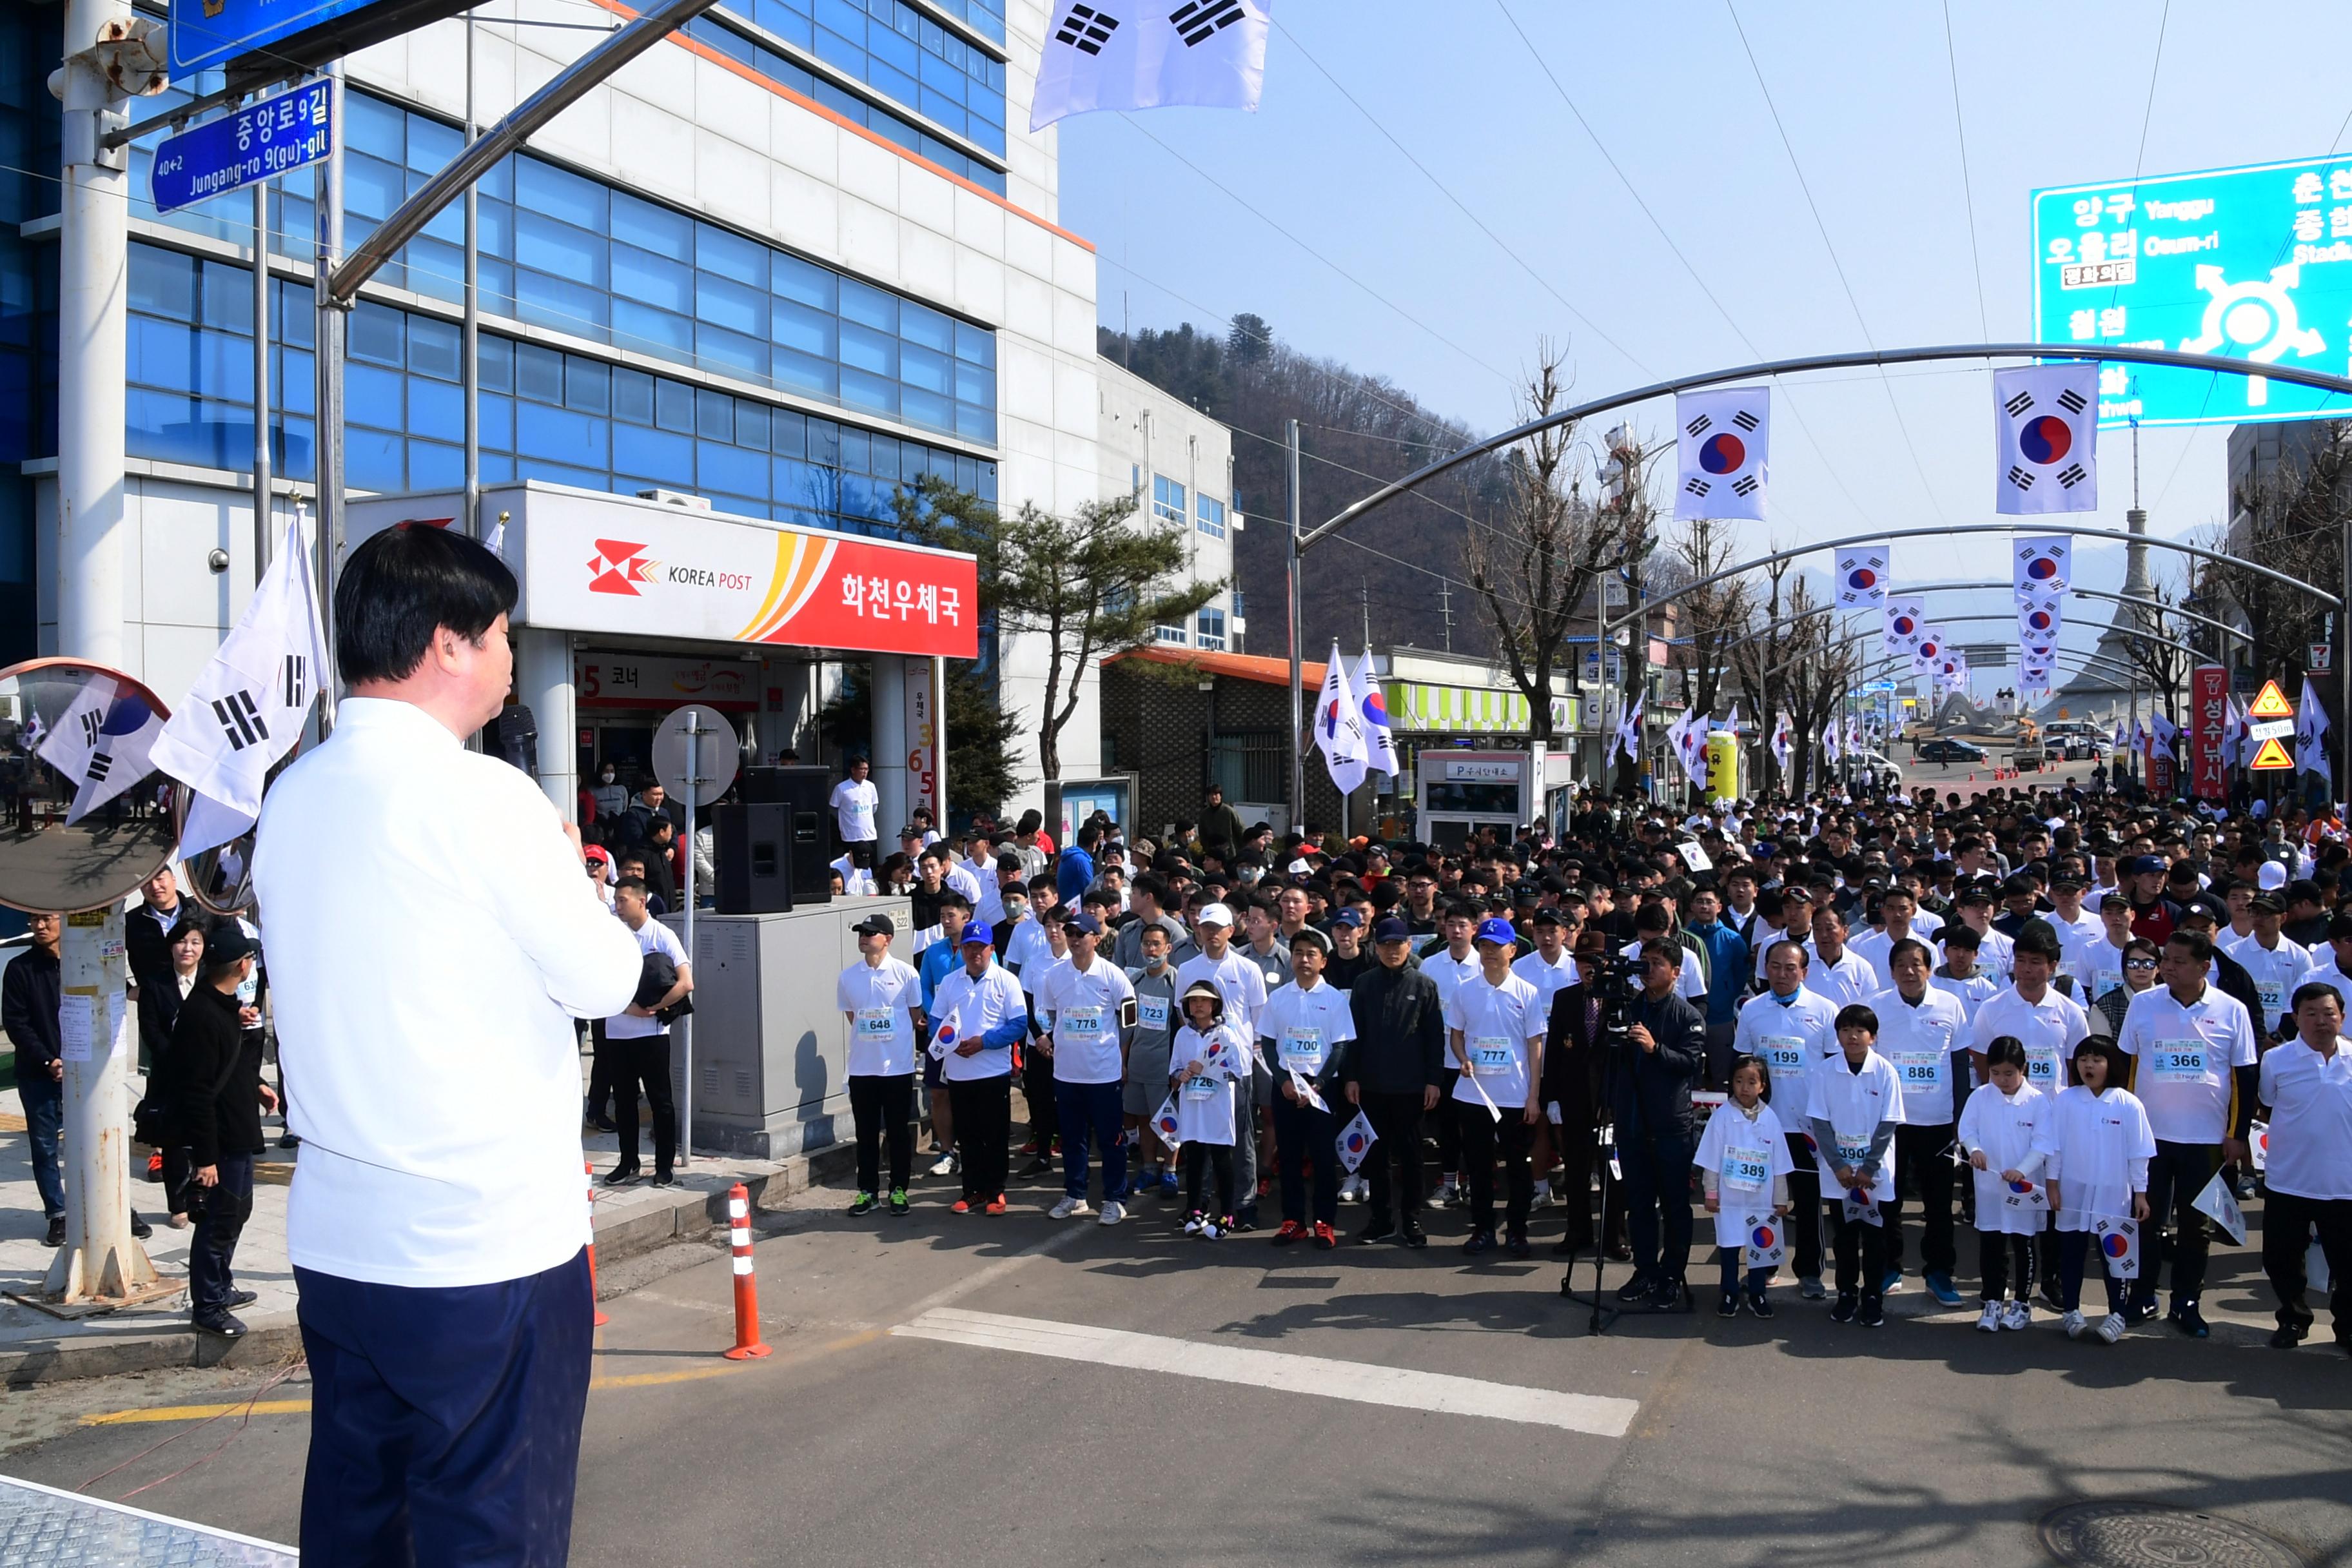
(2149, 1535)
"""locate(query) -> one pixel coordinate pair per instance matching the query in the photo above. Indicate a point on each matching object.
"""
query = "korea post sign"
(657, 572)
(2252, 264)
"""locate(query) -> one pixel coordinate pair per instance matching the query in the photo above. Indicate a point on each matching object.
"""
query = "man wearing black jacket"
(216, 1066)
(1576, 1087)
(1392, 1069)
(29, 1011)
(1650, 1103)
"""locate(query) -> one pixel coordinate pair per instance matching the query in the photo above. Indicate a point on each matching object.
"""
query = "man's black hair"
(406, 582)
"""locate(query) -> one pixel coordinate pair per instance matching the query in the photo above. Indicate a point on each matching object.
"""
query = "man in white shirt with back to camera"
(434, 1225)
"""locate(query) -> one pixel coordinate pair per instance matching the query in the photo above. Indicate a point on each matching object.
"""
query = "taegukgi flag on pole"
(1355, 1142)
(1905, 619)
(1629, 730)
(2040, 614)
(1380, 735)
(2041, 568)
(1927, 653)
(2117, 1241)
(246, 709)
(2311, 734)
(1862, 576)
(1720, 452)
(103, 742)
(1784, 740)
(2047, 438)
(1123, 54)
(1340, 726)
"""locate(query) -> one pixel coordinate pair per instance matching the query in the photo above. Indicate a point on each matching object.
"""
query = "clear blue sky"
(2048, 95)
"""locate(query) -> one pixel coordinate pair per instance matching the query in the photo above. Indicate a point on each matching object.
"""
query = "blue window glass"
(807, 374)
(374, 334)
(928, 409)
(373, 397)
(788, 434)
(890, 47)
(560, 193)
(497, 468)
(804, 329)
(372, 459)
(736, 469)
(868, 305)
(430, 143)
(714, 416)
(804, 282)
(751, 426)
(494, 228)
(922, 368)
(587, 384)
(436, 269)
(975, 345)
(732, 353)
(974, 384)
(855, 447)
(539, 372)
(654, 455)
(737, 307)
(434, 467)
(498, 423)
(921, 324)
(296, 386)
(673, 406)
(437, 409)
(435, 347)
(648, 330)
(372, 125)
(862, 348)
(894, 81)
(644, 277)
(976, 424)
(859, 390)
(944, 110)
(632, 396)
(372, 187)
(571, 308)
(559, 474)
(1209, 515)
(788, 21)
(570, 253)
(729, 255)
(1209, 629)
(824, 443)
(496, 358)
(650, 228)
(559, 435)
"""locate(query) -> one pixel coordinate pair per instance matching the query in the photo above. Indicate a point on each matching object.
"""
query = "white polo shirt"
(1306, 1026)
(1850, 979)
(1083, 1005)
(2310, 1096)
(2184, 1059)
(2275, 972)
(1918, 1042)
(1548, 979)
(853, 810)
(651, 937)
(881, 1000)
(1855, 1102)
(1793, 1035)
(2048, 1029)
(1502, 1028)
(964, 1008)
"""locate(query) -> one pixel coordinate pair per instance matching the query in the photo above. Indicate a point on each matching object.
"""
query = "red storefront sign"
(2209, 716)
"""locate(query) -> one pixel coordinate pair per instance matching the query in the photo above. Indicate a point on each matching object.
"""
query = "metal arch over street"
(1768, 627)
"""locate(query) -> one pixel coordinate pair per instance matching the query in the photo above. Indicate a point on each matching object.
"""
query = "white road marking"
(1358, 1381)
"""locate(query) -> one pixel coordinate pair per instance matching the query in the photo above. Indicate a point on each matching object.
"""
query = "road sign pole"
(2342, 637)
(327, 444)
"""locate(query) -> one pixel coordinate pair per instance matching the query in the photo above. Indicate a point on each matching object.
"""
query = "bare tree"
(2158, 641)
(2289, 519)
(1713, 616)
(1543, 550)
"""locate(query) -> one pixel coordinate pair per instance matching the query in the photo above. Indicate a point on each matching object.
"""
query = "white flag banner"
(1829, 745)
(2117, 1241)
(1355, 1142)
(1340, 726)
(1784, 741)
(2311, 734)
(101, 741)
(2040, 616)
(1731, 724)
(2041, 568)
(1905, 619)
(1689, 733)
(2220, 1205)
(2166, 733)
(67, 744)
(1766, 1245)
(1862, 576)
(2047, 438)
(1117, 54)
(1379, 736)
(246, 709)
(1720, 449)
(1629, 730)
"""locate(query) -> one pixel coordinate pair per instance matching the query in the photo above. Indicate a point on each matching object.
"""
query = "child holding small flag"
(1206, 1058)
(2095, 1145)
(1743, 1162)
(1997, 1130)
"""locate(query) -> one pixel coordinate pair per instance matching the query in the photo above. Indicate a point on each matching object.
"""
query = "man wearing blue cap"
(981, 1015)
(1496, 1024)
(1085, 1008)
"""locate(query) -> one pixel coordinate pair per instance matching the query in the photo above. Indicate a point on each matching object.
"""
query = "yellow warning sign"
(2271, 755)
(2271, 704)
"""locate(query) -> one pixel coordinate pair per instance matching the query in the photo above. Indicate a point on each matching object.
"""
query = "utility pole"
(1297, 632)
(1445, 610)
(333, 316)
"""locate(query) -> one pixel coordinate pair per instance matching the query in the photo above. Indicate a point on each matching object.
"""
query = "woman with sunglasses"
(2140, 956)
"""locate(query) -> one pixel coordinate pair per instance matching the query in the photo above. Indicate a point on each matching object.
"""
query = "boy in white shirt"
(881, 998)
(1299, 1036)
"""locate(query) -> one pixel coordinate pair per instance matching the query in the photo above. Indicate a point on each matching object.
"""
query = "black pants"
(2175, 1179)
(1804, 1208)
(1399, 1180)
(220, 1213)
(604, 1068)
(1200, 1159)
(1995, 1253)
(1482, 1139)
(2074, 1259)
(645, 1061)
(1443, 1127)
(1304, 1137)
(983, 1122)
(1037, 1089)
(1861, 1250)
(1580, 1157)
(2287, 1221)
(1922, 1165)
(1657, 1168)
(884, 1109)
(179, 1191)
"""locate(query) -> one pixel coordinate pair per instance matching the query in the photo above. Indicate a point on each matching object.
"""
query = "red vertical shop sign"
(2209, 686)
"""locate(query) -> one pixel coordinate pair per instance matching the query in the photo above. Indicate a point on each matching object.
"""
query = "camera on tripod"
(1615, 979)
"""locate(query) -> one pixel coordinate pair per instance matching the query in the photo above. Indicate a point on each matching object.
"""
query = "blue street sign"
(2251, 263)
(255, 142)
(207, 33)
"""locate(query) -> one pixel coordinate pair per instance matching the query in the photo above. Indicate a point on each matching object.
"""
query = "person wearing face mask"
(610, 795)
(1157, 1018)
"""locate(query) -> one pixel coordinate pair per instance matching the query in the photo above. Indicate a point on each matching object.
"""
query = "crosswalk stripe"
(1400, 1388)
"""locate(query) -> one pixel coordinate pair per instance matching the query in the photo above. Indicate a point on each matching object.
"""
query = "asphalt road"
(978, 1391)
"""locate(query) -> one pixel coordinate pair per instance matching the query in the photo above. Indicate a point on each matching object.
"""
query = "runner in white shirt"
(2095, 1145)
(2308, 1084)
(1242, 986)
(1833, 969)
(1086, 1006)
(2077, 927)
(2277, 964)
(1973, 909)
(1448, 965)
(854, 800)
(1300, 1033)
(2331, 963)
(981, 1015)
(2191, 1051)
(643, 1042)
(1898, 909)
(1919, 1028)
(1856, 1107)
(1744, 1166)
(1792, 1030)
(1495, 1032)
(1997, 1130)
(881, 998)
(2099, 962)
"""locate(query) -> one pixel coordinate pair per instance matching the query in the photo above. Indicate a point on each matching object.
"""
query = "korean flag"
(101, 741)
(1927, 653)
(1165, 1122)
(1119, 54)
(1862, 577)
(1905, 619)
(2047, 438)
(2039, 616)
(2039, 569)
(1355, 1142)
(1768, 1240)
(1720, 451)
(2117, 1241)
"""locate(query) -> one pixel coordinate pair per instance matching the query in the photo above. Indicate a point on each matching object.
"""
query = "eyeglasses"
(2139, 964)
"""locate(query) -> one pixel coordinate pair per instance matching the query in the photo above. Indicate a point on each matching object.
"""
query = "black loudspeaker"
(806, 794)
(751, 844)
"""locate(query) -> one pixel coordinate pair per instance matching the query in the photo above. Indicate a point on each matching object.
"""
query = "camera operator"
(1575, 1090)
(1650, 1102)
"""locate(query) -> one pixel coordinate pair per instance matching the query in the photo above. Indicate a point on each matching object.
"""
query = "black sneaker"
(1872, 1314)
(861, 1206)
(1728, 1306)
(56, 1236)
(1668, 1296)
(1517, 1245)
(222, 1322)
(1480, 1241)
(2189, 1320)
(1843, 1311)
(663, 1179)
(240, 1298)
(1637, 1289)
(290, 1142)
(898, 1200)
(2139, 1311)
(1038, 1167)
(2287, 1337)
(620, 1175)
(1759, 1304)
(1376, 1230)
(1413, 1235)
(140, 1230)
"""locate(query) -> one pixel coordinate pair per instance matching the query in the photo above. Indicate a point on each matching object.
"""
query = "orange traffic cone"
(747, 1287)
(603, 1317)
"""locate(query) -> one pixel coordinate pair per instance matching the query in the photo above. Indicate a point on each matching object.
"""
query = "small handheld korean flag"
(1165, 1122)
(2040, 568)
(2045, 439)
(246, 709)
(1720, 451)
(1355, 1142)
(1905, 619)
(2117, 1241)
(1865, 1209)
(1340, 726)
(1766, 1245)
(2025, 1198)
(1862, 577)
(2220, 1205)
(1123, 54)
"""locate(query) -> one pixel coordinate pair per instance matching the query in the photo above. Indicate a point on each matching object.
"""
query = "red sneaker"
(962, 1205)
(996, 1204)
(1324, 1236)
(1291, 1231)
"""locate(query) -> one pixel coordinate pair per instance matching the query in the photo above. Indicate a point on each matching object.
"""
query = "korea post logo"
(617, 568)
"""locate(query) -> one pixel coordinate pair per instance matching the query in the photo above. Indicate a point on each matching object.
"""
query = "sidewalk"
(38, 1348)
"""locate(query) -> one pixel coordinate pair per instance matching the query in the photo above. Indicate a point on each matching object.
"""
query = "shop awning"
(1417, 709)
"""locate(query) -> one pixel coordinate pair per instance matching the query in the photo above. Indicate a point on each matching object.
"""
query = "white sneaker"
(1195, 1224)
(2111, 1327)
(1988, 1320)
(946, 1164)
(2076, 1325)
(2018, 1316)
(1067, 1207)
(1113, 1210)
(1213, 1230)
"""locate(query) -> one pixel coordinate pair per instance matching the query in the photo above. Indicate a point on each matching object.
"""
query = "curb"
(277, 1338)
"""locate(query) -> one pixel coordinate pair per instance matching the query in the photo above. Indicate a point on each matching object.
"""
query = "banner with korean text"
(2209, 711)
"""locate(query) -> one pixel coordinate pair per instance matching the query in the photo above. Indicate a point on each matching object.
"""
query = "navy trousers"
(221, 1212)
(445, 1424)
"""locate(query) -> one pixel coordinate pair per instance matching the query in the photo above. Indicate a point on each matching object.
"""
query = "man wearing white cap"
(1242, 986)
